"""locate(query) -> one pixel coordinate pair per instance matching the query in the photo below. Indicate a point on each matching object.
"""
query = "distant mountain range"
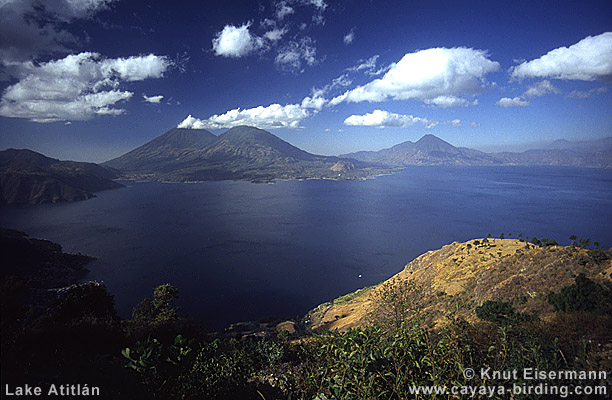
(583, 146)
(241, 153)
(27, 177)
(431, 150)
(247, 153)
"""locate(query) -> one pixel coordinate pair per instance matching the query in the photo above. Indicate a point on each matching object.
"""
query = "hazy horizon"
(519, 147)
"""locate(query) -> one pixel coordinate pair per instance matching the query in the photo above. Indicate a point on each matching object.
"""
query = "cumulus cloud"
(30, 28)
(77, 87)
(587, 60)
(136, 68)
(192, 123)
(270, 117)
(427, 75)
(349, 37)
(540, 89)
(316, 101)
(536, 90)
(236, 41)
(296, 54)
(579, 94)
(152, 99)
(293, 51)
(514, 102)
(385, 119)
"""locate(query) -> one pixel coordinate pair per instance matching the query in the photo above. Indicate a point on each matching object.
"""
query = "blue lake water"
(242, 251)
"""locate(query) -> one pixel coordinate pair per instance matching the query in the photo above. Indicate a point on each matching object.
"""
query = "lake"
(242, 251)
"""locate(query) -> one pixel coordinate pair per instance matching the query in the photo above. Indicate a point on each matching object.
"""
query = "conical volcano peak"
(431, 143)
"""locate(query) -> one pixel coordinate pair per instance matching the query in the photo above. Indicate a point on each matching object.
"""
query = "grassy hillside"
(461, 276)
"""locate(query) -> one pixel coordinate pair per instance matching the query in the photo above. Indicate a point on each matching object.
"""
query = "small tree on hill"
(155, 314)
(583, 295)
(500, 312)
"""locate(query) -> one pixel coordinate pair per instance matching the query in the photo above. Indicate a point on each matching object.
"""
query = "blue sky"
(91, 79)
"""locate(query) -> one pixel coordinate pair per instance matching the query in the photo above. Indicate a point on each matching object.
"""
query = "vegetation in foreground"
(78, 338)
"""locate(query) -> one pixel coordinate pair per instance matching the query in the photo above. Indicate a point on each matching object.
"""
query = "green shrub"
(583, 295)
(154, 316)
(188, 369)
(88, 300)
(599, 255)
(500, 312)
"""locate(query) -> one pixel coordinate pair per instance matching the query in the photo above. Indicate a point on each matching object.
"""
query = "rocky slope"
(462, 276)
(27, 177)
(164, 152)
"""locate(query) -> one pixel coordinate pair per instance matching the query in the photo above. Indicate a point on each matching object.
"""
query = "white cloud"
(236, 42)
(587, 60)
(29, 28)
(67, 10)
(349, 37)
(270, 117)
(319, 4)
(317, 102)
(540, 89)
(514, 102)
(536, 90)
(427, 75)
(282, 32)
(136, 68)
(152, 99)
(275, 34)
(578, 94)
(385, 119)
(320, 7)
(450, 101)
(317, 99)
(192, 123)
(295, 54)
(341, 81)
(368, 66)
(268, 23)
(283, 9)
(77, 87)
